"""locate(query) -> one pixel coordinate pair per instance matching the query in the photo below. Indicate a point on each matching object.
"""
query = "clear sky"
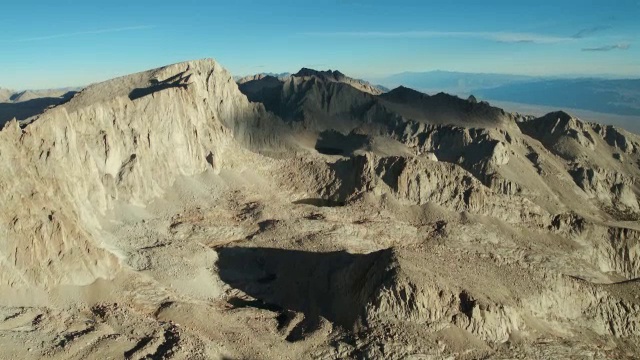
(69, 43)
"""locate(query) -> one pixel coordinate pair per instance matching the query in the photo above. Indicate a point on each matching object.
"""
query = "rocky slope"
(124, 140)
(258, 77)
(176, 214)
(337, 76)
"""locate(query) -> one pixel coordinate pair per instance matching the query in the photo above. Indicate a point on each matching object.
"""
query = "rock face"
(179, 213)
(256, 77)
(124, 140)
(337, 76)
(444, 109)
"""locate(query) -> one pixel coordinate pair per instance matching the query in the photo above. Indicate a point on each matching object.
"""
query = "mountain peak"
(337, 76)
(312, 72)
(403, 92)
(194, 74)
(562, 115)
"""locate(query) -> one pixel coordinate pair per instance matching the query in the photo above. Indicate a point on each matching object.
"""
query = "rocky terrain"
(177, 214)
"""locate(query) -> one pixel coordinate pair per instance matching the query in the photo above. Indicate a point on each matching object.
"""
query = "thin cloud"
(609, 47)
(586, 32)
(80, 33)
(503, 37)
(523, 41)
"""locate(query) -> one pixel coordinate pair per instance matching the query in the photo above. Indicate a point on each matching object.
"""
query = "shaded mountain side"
(317, 97)
(243, 79)
(444, 109)
(484, 140)
(337, 76)
(316, 104)
(327, 76)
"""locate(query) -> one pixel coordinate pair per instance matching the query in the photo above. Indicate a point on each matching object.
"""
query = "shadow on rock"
(319, 202)
(177, 81)
(336, 286)
(334, 143)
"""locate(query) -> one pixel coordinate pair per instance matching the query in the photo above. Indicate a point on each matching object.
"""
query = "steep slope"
(444, 109)
(602, 160)
(286, 96)
(316, 103)
(337, 76)
(255, 77)
(482, 139)
(122, 140)
(310, 94)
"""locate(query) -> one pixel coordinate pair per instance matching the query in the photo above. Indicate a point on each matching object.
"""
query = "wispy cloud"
(609, 47)
(79, 33)
(504, 37)
(586, 32)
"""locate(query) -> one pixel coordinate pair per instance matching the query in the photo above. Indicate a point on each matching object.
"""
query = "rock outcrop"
(123, 140)
(337, 76)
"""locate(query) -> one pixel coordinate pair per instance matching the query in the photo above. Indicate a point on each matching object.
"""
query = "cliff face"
(123, 140)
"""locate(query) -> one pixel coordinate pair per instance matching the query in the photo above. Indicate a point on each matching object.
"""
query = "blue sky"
(70, 43)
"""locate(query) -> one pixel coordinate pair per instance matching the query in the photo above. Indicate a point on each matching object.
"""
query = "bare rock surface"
(174, 214)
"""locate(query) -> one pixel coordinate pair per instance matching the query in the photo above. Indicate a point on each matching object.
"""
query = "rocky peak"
(262, 76)
(323, 74)
(402, 93)
(444, 108)
(107, 145)
(337, 76)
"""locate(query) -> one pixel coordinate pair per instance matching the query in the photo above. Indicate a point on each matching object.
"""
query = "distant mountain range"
(612, 96)
(27, 103)
(620, 97)
(451, 82)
